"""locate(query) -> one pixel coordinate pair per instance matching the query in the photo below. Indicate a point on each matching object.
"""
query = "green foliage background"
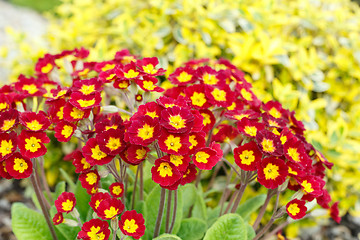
(303, 53)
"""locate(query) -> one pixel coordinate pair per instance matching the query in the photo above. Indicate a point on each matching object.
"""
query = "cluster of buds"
(208, 114)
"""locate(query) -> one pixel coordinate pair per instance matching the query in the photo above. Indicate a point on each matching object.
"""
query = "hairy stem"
(42, 205)
(141, 195)
(174, 211)
(238, 197)
(263, 209)
(134, 191)
(160, 213)
(44, 182)
(168, 209)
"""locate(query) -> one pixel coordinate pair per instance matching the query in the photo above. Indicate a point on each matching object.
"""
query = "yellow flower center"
(3, 105)
(165, 169)
(198, 99)
(232, 106)
(6, 147)
(202, 157)
(240, 116)
(131, 74)
(210, 79)
(84, 72)
(94, 235)
(111, 127)
(107, 67)
(149, 85)
(173, 143)
(68, 205)
(31, 89)
(86, 103)
(206, 119)
(87, 89)
(192, 140)
(275, 113)
(130, 226)
(111, 212)
(20, 165)
(283, 139)
(219, 95)
(271, 171)
(34, 125)
(60, 113)
(184, 77)
(293, 153)
(268, 145)
(8, 124)
(293, 209)
(251, 130)
(146, 132)
(247, 157)
(91, 178)
(123, 84)
(150, 69)
(67, 131)
(307, 186)
(32, 144)
(85, 164)
(47, 68)
(246, 95)
(176, 160)
(97, 153)
(77, 113)
(177, 121)
(140, 153)
(291, 171)
(152, 114)
(117, 190)
(113, 143)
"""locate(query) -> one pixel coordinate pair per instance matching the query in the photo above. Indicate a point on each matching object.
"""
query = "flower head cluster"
(209, 113)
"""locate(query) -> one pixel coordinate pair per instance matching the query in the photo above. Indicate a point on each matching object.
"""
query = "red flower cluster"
(208, 108)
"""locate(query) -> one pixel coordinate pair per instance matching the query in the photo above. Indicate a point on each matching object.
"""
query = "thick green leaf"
(229, 226)
(199, 209)
(166, 236)
(60, 188)
(251, 205)
(82, 201)
(28, 224)
(250, 232)
(189, 197)
(152, 208)
(192, 229)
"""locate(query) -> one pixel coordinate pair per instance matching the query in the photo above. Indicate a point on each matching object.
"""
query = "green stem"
(160, 213)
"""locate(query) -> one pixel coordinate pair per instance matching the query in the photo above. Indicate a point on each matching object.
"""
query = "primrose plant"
(147, 158)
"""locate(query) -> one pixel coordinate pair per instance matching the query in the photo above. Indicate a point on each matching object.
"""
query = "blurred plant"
(137, 149)
(286, 48)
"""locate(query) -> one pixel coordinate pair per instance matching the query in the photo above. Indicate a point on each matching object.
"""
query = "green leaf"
(229, 226)
(251, 205)
(166, 236)
(250, 232)
(189, 197)
(82, 201)
(28, 224)
(199, 209)
(60, 188)
(192, 229)
(152, 208)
